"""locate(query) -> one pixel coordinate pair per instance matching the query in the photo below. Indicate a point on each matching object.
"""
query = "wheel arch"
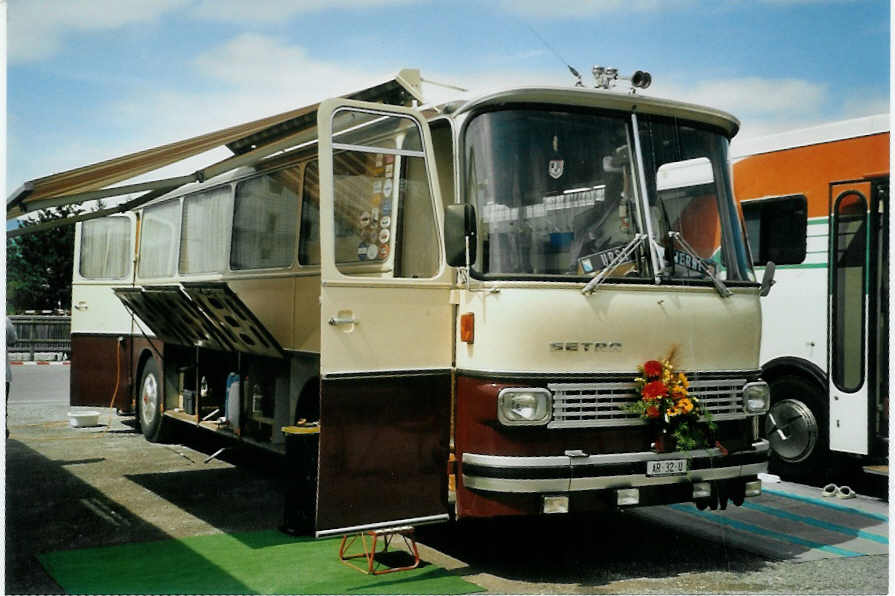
(786, 459)
(790, 366)
(140, 361)
(308, 404)
(145, 355)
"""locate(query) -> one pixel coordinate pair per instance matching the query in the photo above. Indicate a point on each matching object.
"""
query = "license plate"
(667, 467)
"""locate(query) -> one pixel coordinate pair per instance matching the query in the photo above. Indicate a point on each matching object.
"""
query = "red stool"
(368, 542)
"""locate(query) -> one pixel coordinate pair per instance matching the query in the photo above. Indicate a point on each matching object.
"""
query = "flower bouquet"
(666, 404)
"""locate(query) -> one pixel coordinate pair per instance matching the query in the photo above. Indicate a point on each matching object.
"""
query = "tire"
(801, 451)
(149, 403)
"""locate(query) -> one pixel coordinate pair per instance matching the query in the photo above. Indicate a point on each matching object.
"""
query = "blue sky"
(93, 79)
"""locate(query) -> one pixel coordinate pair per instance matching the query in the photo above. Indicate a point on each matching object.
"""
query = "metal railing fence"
(41, 333)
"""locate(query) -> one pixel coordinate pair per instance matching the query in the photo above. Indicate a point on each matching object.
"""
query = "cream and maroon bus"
(825, 326)
(443, 308)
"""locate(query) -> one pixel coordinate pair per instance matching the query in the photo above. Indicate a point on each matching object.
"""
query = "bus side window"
(309, 234)
(264, 218)
(105, 248)
(443, 147)
(204, 231)
(159, 240)
(384, 214)
(777, 229)
(417, 245)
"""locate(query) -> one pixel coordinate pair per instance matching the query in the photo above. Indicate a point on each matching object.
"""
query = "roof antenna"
(575, 73)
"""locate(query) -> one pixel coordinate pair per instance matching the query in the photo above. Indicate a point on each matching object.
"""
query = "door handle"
(81, 305)
(343, 320)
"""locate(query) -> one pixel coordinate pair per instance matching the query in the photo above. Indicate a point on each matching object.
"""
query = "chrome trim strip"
(637, 480)
(503, 461)
(500, 485)
(383, 150)
(608, 482)
(587, 376)
(562, 461)
(413, 521)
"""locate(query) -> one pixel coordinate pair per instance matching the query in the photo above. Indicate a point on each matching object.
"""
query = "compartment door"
(386, 322)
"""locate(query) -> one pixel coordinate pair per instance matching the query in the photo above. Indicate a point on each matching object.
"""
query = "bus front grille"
(590, 405)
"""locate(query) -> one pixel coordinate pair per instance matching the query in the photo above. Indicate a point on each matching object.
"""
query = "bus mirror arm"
(767, 279)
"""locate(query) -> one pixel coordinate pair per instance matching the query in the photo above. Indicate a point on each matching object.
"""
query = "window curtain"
(264, 221)
(160, 232)
(105, 248)
(206, 230)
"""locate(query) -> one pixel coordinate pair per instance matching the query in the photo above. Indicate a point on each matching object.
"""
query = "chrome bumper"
(574, 472)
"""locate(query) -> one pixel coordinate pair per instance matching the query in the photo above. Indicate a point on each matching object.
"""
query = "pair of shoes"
(841, 492)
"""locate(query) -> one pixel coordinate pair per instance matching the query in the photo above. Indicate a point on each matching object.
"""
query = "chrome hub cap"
(149, 399)
(792, 430)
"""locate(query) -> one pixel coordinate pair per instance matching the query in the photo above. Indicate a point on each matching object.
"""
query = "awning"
(250, 143)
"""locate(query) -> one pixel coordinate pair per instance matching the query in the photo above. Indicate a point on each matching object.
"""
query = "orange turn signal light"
(467, 327)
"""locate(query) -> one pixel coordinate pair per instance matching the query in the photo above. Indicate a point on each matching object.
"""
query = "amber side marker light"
(467, 327)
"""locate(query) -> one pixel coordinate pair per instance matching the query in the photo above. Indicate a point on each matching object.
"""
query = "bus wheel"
(149, 402)
(796, 428)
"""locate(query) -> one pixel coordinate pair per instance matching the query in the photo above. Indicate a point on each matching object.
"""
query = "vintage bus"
(445, 305)
(825, 333)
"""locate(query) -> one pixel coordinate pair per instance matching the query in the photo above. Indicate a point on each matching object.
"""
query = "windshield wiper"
(723, 290)
(608, 269)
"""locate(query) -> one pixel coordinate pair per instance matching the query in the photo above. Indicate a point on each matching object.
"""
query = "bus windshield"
(558, 193)
(693, 215)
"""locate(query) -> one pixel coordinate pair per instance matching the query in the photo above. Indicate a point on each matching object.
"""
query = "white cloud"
(36, 28)
(560, 9)
(855, 107)
(762, 105)
(784, 2)
(250, 77)
(253, 75)
(247, 78)
(750, 95)
(269, 11)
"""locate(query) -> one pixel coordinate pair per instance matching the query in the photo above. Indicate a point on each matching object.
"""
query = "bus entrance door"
(386, 322)
(858, 353)
(879, 321)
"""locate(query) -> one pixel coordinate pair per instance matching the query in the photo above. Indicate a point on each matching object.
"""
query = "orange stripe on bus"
(809, 170)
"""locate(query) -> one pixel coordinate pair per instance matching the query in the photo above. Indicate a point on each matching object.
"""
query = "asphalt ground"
(69, 488)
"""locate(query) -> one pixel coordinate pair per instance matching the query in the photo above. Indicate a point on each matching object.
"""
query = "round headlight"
(756, 397)
(519, 406)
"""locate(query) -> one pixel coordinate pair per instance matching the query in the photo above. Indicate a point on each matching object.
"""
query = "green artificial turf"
(267, 562)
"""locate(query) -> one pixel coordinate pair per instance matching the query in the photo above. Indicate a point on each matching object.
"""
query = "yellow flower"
(682, 379)
(685, 405)
(677, 392)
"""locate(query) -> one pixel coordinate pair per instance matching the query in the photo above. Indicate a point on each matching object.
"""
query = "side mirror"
(459, 225)
(767, 279)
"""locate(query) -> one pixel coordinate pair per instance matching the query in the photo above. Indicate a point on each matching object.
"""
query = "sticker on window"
(600, 260)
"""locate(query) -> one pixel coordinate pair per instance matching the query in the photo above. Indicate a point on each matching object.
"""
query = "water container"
(231, 406)
(257, 401)
(231, 378)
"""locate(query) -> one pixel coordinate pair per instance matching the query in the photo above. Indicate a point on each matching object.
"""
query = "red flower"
(652, 412)
(654, 389)
(652, 369)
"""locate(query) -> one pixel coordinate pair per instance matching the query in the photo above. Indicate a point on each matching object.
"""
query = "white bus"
(825, 326)
(446, 307)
